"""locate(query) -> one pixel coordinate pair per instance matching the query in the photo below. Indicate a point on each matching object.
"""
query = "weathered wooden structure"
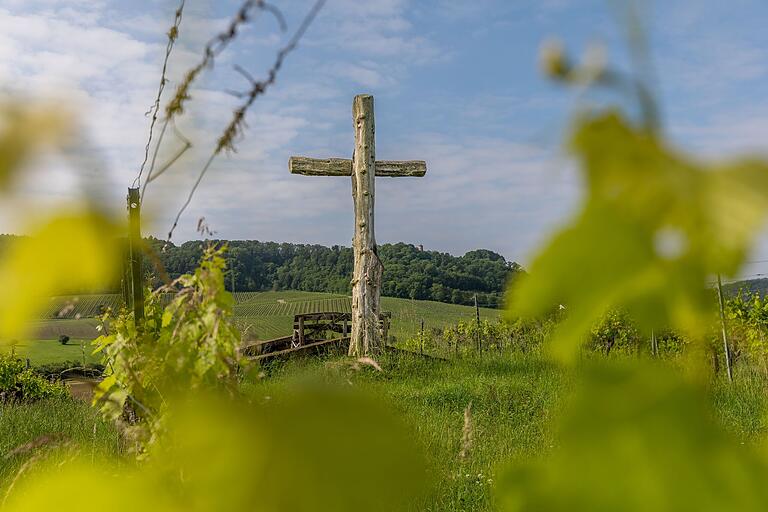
(363, 168)
(314, 327)
(312, 331)
(134, 286)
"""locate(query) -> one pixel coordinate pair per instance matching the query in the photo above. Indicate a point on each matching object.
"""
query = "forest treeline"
(409, 271)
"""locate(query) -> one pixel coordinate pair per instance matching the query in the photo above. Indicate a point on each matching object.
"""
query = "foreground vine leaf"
(654, 228)
(638, 438)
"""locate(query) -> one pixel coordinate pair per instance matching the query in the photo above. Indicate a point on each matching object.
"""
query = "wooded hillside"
(408, 271)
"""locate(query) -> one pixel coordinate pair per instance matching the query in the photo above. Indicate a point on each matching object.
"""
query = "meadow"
(50, 351)
(260, 316)
(516, 402)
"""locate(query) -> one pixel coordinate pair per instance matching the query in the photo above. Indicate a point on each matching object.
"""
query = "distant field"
(261, 315)
(270, 314)
(40, 352)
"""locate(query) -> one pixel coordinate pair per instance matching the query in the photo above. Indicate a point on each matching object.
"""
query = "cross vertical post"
(363, 168)
(366, 280)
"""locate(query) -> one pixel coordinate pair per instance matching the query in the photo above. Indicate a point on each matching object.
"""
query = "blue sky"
(456, 84)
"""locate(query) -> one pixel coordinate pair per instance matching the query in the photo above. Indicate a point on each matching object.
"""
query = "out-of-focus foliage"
(191, 345)
(655, 226)
(19, 383)
(636, 438)
(69, 251)
(25, 129)
(314, 450)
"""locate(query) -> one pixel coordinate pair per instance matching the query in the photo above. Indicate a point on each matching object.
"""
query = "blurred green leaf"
(638, 438)
(72, 251)
(654, 228)
(315, 450)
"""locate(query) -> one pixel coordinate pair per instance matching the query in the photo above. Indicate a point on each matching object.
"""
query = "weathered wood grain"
(343, 167)
(366, 278)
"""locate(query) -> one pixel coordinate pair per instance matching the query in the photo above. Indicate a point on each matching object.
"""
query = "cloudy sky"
(455, 84)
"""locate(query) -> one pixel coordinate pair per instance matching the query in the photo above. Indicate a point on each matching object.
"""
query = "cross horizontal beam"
(343, 167)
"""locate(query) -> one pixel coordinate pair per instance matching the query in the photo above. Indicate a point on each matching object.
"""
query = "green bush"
(19, 383)
(615, 332)
(467, 337)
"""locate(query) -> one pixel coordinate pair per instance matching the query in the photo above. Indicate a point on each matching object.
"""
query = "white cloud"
(364, 74)
(730, 132)
(479, 191)
(378, 41)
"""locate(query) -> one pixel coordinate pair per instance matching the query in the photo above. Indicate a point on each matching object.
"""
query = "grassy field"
(261, 315)
(71, 425)
(513, 402)
(41, 352)
(516, 402)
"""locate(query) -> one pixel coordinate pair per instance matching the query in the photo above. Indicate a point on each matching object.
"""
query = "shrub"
(190, 345)
(19, 383)
(463, 337)
(616, 331)
(63, 339)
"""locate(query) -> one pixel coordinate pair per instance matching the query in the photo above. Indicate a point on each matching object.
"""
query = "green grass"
(513, 404)
(512, 407)
(516, 401)
(72, 424)
(42, 352)
(742, 406)
(407, 315)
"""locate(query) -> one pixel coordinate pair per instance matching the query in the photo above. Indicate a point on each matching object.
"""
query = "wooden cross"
(363, 168)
